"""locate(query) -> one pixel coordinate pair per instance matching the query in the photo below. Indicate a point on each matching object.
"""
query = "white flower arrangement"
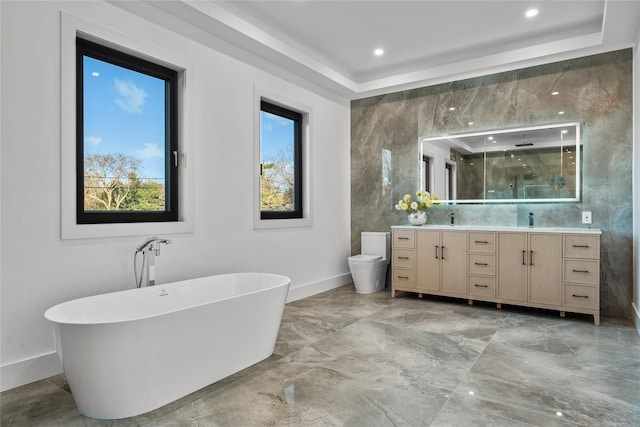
(424, 201)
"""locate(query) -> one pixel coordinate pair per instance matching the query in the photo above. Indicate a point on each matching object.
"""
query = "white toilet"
(369, 270)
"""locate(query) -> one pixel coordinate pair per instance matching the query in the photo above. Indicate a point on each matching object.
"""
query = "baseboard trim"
(636, 317)
(26, 371)
(313, 288)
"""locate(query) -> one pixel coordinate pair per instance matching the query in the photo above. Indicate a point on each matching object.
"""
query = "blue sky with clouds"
(276, 134)
(124, 113)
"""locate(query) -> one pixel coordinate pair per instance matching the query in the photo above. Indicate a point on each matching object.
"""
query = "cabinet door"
(453, 256)
(512, 266)
(428, 260)
(545, 268)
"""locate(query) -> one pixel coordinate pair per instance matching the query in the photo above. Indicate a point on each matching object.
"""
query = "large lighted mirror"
(529, 164)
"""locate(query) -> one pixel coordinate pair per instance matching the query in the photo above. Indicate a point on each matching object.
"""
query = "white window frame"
(70, 27)
(261, 94)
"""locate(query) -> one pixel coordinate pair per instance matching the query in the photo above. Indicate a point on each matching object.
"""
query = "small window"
(449, 183)
(126, 137)
(280, 162)
(426, 170)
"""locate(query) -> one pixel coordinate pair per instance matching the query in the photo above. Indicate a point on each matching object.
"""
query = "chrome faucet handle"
(146, 243)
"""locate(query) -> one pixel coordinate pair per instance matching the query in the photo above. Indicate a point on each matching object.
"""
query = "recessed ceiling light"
(531, 13)
(452, 108)
(378, 52)
(564, 131)
(554, 93)
(470, 123)
(560, 112)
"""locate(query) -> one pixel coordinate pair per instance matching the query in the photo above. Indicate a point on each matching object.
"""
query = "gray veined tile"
(444, 317)
(392, 355)
(344, 359)
(542, 383)
(455, 413)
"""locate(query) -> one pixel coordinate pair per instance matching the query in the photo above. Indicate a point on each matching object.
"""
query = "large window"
(280, 162)
(126, 137)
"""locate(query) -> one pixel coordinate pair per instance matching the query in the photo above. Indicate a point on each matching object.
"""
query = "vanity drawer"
(403, 258)
(482, 264)
(482, 242)
(403, 277)
(578, 271)
(482, 286)
(403, 239)
(581, 296)
(581, 246)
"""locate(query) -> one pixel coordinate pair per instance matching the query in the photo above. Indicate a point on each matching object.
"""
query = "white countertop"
(503, 228)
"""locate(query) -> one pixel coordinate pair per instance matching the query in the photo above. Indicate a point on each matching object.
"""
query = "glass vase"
(417, 218)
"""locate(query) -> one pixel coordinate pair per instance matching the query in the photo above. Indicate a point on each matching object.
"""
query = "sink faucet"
(150, 248)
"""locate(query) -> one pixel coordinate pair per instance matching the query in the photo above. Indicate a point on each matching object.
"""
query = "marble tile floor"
(344, 359)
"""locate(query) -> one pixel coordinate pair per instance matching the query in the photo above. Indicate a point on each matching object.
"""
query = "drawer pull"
(580, 296)
(403, 238)
(480, 263)
(481, 286)
(403, 257)
(484, 242)
(580, 271)
(580, 246)
(403, 277)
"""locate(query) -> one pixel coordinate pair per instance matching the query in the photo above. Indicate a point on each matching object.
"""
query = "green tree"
(107, 180)
(144, 195)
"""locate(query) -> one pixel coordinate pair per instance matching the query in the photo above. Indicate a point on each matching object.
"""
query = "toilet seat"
(364, 258)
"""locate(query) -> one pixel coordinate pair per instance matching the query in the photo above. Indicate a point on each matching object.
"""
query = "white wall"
(39, 270)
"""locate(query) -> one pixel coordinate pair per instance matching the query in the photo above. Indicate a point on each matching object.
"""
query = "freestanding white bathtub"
(126, 353)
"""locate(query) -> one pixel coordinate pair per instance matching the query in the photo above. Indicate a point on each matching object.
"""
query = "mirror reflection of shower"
(533, 164)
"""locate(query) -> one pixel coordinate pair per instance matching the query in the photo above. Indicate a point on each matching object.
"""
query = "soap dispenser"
(530, 219)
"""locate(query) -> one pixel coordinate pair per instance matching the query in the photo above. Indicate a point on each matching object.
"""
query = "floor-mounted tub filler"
(126, 353)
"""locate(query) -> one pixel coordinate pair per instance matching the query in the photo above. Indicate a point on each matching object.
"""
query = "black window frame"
(103, 53)
(426, 164)
(297, 118)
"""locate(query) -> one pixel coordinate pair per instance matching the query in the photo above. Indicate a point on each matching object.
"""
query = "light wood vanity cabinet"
(581, 274)
(481, 279)
(530, 268)
(403, 260)
(440, 265)
(550, 270)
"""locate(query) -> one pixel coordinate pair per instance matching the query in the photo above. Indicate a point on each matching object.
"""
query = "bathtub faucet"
(150, 248)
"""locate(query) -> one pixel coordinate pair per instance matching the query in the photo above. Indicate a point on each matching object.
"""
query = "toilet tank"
(376, 243)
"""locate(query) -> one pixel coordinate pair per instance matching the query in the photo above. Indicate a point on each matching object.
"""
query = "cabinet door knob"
(524, 257)
(437, 251)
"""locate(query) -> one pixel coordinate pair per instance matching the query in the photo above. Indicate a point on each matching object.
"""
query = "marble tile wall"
(594, 90)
